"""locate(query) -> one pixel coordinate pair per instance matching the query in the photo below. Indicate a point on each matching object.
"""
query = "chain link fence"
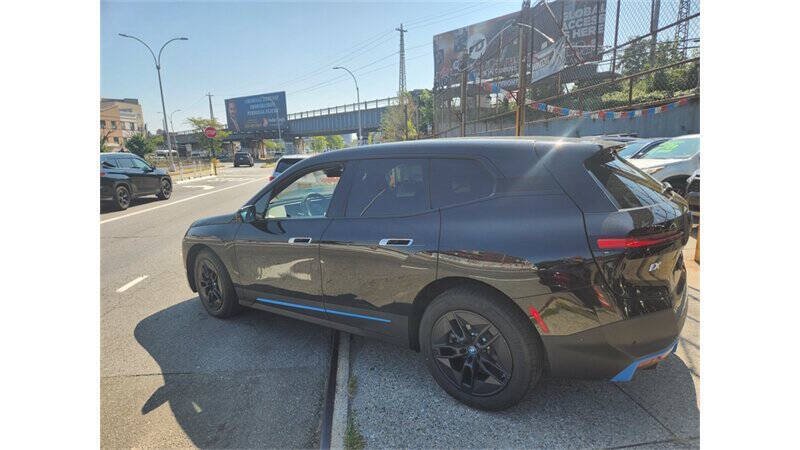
(648, 55)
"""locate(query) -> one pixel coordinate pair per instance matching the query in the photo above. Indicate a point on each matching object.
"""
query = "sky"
(247, 48)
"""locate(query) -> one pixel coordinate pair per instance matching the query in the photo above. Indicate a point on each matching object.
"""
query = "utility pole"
(210, 108)
(655, 13)
(523, 68)
(463, 96)
(402, 87)
(682, 33)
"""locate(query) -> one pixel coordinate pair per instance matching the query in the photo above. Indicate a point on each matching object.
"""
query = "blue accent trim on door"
(627, 373)
(325, 310)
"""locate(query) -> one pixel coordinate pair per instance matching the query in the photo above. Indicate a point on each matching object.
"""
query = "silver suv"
(672, 161)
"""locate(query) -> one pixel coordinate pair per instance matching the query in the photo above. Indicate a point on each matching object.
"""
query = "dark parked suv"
(499, 259)
(243, 159)
(125, 176)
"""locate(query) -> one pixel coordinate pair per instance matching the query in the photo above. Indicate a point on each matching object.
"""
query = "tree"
(318, 144)
(397, 125)
(273, 146)
(141, 145)
(212, 145)
(103, 141)
(335, 141)
(425, 106)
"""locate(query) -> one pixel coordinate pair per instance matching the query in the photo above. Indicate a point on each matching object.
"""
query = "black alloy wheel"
(214, 286)
(166, 189)
(471, 353)
(122, 196)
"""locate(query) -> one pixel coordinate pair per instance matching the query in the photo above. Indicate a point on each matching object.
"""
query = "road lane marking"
(204, 186)
(179, 201)
(131, 284)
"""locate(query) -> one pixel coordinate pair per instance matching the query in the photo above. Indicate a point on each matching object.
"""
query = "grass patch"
(352, 385)
(267, 165)
(353, 439)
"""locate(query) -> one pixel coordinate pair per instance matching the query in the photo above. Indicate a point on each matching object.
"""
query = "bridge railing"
(350, 107)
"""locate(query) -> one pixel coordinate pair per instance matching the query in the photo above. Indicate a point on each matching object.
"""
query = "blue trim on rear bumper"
(627, 373)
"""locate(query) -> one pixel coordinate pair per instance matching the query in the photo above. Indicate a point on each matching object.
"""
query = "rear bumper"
(615, 351)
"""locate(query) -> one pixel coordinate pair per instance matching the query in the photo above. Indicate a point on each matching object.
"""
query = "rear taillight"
(636, 242)
(271, 178)
(102, 174)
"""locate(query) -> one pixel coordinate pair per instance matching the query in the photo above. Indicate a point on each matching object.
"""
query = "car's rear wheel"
(214, 286)
(166, 189)
(122, 197)
(479, 348)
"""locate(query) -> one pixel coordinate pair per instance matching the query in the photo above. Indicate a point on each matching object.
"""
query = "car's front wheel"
(214, 286)
(166, 189)
(479, 348)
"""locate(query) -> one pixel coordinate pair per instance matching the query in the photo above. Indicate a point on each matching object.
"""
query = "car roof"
(295, 156)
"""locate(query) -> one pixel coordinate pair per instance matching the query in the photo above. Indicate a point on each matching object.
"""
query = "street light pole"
(157, 62)
(358, 100)
(171, 125)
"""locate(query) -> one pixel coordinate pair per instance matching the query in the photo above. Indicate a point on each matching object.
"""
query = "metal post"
(616, 36)
(655, 12)
(523, 54)
(463, 99)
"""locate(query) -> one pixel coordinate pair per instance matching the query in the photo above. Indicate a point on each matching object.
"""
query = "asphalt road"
(172, 376)
(398, 404)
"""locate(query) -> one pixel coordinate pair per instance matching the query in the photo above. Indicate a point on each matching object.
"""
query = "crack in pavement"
(635, 400)
(684, 441)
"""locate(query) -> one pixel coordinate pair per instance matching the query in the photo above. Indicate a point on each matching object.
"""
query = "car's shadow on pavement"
(254, 380)
(108, 207)
(398, 404)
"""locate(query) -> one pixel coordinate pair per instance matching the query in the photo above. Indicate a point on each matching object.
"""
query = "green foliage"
(273, 146)
(318, 144)
(335, 142)
(212, 145)
(397, 125)
(142, 145)
(425, 105)
(103, 140)
(353, 439)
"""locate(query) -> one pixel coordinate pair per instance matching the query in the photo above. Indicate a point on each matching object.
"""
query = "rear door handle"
(394, 242)
(300, 240)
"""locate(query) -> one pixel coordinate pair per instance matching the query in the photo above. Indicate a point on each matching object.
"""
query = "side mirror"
(667, 186)
(246, 213)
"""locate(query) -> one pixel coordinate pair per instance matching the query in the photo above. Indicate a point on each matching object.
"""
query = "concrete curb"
(193, 179)
(341, 401)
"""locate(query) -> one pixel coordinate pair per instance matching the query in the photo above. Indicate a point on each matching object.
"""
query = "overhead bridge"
(341, 119)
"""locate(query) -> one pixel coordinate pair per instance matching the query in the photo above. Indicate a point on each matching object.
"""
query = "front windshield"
(632, 148)
(680, 148)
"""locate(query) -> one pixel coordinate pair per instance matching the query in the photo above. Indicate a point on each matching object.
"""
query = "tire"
(166, 189)
(215, 287)
(122, 197)
(505, 338)
(235, 165)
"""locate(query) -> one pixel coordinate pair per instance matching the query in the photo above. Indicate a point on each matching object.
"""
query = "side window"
(389, 187)
(459, 180)
(139, 164)
(108, 162)
(125, 163)
(307, 196)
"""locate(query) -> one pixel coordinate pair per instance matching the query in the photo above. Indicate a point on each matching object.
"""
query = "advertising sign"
(491, 48)
(265, 112)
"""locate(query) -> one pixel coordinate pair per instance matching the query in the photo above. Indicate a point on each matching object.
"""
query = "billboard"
(264, 112)
(491, 48)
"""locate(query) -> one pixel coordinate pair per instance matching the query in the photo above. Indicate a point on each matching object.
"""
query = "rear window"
(626, 185)
(284, 164)
(459, 180)
(674, 149)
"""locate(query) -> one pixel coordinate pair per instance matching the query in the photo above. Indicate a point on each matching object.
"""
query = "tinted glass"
(627, 185)
(308, 196)
(284, 164)
(674, 149)
(388, 187)
(458, 181)
(125, 163)
(634, 147)
(139, 164)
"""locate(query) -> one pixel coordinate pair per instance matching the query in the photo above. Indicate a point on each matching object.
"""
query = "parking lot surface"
(398, 404)
(172, 376)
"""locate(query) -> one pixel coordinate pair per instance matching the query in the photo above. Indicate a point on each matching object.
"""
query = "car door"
(382, 251)
(151, 181)
(137, 179)
(277, 251)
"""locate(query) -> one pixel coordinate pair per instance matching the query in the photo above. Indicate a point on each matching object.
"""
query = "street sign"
(210, 132)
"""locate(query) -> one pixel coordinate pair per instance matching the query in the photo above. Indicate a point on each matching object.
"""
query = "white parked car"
(672, 161)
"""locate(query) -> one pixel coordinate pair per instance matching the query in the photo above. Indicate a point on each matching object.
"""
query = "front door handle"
(395, 242)
(300, 240)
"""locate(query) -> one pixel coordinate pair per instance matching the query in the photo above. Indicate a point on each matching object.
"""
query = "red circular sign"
(210, 132)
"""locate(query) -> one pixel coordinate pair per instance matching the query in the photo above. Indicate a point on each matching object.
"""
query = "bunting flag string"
(605, 114)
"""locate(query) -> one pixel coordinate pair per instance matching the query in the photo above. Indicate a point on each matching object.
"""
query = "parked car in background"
(429, 244)
(672, 161)
(125, 176)
(284, 163)
(165, 153)
(638, 147)
(243, 159)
